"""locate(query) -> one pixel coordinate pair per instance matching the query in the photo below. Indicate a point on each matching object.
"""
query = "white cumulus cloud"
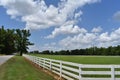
(78, 41)
(110, 37)
(38, 15)
(85, 40)
(67, 28)
(97, 29)
(89, 39)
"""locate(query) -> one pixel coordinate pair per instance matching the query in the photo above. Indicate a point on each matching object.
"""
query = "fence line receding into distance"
(75, 71)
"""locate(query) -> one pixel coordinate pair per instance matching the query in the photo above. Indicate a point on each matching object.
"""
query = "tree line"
(14, 41)
(112, 50)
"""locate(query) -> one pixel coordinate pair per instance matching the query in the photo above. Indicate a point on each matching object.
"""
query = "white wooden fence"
(74, 71)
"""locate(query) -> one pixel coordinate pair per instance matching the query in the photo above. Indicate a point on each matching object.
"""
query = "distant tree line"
(88, 51)
(14, 40)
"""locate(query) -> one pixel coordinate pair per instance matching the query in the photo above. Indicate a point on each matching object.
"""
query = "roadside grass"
(84, 59)
(17, 68)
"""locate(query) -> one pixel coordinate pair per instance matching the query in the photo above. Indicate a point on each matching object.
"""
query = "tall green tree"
(22, 41)
(7, 41)
(2, 38)
(12, 40)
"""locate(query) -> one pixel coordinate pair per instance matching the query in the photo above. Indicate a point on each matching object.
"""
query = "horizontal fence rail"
(75, 71)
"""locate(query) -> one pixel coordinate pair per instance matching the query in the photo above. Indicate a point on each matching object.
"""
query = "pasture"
(84, 59)
(88, 72)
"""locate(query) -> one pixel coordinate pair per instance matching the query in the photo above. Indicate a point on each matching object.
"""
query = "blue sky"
(64, 24)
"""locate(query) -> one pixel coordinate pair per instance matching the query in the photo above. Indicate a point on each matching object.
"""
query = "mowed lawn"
(17, 68)
(84, 59)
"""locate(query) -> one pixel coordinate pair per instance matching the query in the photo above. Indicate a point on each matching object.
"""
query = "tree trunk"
(20, 53)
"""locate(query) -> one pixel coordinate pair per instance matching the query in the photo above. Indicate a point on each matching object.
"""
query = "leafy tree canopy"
(14, 40)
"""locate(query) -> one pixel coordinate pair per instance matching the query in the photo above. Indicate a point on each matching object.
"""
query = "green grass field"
(17, 68)
(85, 59)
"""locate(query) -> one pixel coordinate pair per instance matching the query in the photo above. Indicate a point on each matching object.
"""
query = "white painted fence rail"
(74, 71)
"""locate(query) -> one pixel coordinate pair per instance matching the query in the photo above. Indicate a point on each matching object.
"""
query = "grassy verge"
(85, 59)
(18, 69)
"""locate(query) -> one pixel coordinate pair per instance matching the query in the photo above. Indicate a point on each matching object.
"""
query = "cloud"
(97, 29)
(104, 37)
(113, 36)
(88, 39)
(78, 41)
(19, 7)
(83, 40)
(33, 47)
(67, 28)
(38, 15)
(109, 39)
(116, 16)
(50, 46)
(77, 15)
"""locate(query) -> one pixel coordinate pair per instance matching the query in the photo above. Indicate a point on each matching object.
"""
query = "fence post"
(80, 72)
(50, 65)
(60, 69)
(33, 59)
(112, 72)
(39, 62)
(43, 63)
